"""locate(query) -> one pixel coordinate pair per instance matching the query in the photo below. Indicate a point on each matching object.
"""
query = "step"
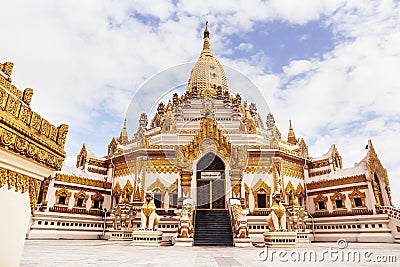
(212, 228)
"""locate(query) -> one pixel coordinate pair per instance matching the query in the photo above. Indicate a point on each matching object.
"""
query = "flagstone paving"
(108, 253)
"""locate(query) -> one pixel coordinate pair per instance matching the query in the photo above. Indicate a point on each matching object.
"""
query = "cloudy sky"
(330, 66)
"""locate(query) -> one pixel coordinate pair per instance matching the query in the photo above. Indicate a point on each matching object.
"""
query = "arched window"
(158, 189)
(80, 199)
(62, 197)
(338, 201)
(97, 201)
(117, 191)
(357, 199)
(321, 202)
(261, 193)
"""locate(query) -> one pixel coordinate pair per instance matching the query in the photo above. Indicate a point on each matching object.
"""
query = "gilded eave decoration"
(300, 190)
(173, 187)
(157, 184)
(128, 188)
(289, 188)
(334, 182)
(27, 133)
(336, 158)
(357, 194)
(117, 191)
(261, 187)
(81, 157)
(374, 165)
(21, 183)
(208, 130)
(82, 181)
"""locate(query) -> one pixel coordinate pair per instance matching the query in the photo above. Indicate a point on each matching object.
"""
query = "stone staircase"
(213, 228)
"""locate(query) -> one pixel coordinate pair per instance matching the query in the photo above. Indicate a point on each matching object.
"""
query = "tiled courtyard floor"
(108, 253)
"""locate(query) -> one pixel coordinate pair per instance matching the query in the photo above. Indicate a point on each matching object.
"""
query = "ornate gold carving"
(342, 189)
(336, 159)
(261, 187)
(374, 166)
(45, 128)
(277, 173)
(27, 96)
(117, 191)
(97, 196)
(62, 134)
(293, 171)
(208, 130)
(239, 157)
(81, 194)
(19, 121)
(289, 188)
(319, 173)
(173, 187)
(357, 194)
(127, 192)
(94, 170)
(63, 192)
(82, 181)
(13, 106)
(338, 196)
(79, 187)
(246, 195)
(97, 162)
(157, 184)
(7, 68)
(300, 190)
(3, 97)
(334, 182)
(319, 163)
(186, 180)
(319, 198)
(81, 157)
(21, 183)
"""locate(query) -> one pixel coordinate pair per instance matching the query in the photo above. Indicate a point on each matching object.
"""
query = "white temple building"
(215, 149)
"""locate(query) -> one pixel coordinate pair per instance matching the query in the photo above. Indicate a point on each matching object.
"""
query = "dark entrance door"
(210, 178)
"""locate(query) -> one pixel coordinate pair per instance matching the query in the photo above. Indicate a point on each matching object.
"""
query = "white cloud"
(86, 59)
(245, 47)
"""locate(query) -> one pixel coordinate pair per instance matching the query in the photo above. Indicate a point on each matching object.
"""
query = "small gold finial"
(206, 45)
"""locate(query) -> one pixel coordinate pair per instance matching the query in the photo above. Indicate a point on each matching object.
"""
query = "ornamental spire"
(123, 136)
(291, 136)
(206, 45)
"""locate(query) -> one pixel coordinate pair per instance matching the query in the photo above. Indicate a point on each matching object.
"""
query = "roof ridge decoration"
(25, 131)
(208, 130)
(375, 167)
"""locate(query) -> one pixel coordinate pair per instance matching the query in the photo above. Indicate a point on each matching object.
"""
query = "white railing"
(391, 211)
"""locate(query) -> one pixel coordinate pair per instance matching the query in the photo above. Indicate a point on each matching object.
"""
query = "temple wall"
(13, 225)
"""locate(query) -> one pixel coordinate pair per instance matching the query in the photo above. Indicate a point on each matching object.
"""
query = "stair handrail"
(395, 210)
(231, 220)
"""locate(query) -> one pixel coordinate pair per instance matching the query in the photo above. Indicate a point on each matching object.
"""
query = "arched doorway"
(210, 177)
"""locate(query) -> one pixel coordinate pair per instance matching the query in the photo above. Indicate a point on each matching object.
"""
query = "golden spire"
(123, 136)
(206, 45)
(291, 136)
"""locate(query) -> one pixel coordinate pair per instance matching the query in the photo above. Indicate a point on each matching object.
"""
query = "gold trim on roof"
(21, 183)
(156, 184)
(82, 181)
(334, 182)
(208, 130)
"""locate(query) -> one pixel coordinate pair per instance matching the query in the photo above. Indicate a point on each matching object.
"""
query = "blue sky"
(330, 66)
